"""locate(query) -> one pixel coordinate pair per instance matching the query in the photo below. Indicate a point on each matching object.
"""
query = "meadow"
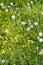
(21, 32)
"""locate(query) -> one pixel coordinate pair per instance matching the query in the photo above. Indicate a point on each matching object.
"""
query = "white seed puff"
(40, 33)
(36, 23)
(13, 16)
(23, 22)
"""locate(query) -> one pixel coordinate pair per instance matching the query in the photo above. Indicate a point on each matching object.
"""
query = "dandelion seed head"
(41, 13)
(40, 40)
(1, 4)
(36, 23)
(6, 10)
(40, 33)
(31, 2)
(28, 29)
(3, 61)
(13, 16)
(11, 3)
(23, 23)
(41, 52)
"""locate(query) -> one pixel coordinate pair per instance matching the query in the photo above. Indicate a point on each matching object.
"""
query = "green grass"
(18, 36)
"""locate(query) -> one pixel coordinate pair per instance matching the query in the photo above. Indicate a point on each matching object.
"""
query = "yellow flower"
(17, 35)
(16, 40)
(3, 51)
(14, 64)
(12, 53)
(27, 37)
(24, 46)
(28, 41)
(6, 38)
(9, 48)
(0, 36)
(12, 39)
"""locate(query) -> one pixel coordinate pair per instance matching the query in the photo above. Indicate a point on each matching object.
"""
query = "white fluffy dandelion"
(11, 3)
(3, 7)
(28, 4)
(15, 38)
(40, 40)
(6, 10)
(3, 61)
(9, 6)
(1, 4)
(29, 7)
(13, 16)
(28, 29)
(41, 52)
(31, 2)
(40, 33)
(32, 41)
(29, 20)
(23, 23)
(36, 23)
(41, 13)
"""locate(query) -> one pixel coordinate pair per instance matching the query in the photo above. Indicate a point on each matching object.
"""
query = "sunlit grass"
(21, 32)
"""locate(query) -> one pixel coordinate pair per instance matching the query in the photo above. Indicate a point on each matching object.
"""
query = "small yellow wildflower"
(27, 37)
(9, 48)
(12, 53)
(3, 51)
(6, 38)
(14, 64)
(17, 35)
(12, 39)
(0, 36)
(28, 41)
(24, 46)
(16, 40)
